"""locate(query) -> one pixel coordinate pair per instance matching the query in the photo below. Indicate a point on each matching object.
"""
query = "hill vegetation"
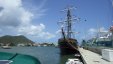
(15, 40)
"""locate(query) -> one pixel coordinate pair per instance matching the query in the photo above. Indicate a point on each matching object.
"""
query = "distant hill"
(14, 40)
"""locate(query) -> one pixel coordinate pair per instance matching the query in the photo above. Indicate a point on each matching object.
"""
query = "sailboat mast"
(69, 23)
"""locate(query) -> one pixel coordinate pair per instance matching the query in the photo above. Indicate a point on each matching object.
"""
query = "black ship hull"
(68, 46)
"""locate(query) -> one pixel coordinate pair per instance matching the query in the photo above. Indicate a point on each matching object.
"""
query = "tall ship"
(67, 43)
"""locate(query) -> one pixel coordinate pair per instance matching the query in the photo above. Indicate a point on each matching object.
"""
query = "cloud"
(13, 13)
(58, 31)
(16, 18)
(46, 34)
(0, 30)
(1, 8)
(92, 32)
(31, 29)
(37, 31)
(112, 2)
(38, 9)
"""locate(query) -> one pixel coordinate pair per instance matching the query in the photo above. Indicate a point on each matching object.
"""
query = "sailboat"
(68, 44)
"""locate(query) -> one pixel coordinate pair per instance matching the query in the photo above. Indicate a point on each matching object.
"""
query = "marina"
(34, 32)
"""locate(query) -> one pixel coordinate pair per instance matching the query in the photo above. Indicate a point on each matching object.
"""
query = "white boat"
(6, 47)
(77, 55)
(5, 61)
(74, 61)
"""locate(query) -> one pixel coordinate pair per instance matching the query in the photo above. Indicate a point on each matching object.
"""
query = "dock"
(92, 58)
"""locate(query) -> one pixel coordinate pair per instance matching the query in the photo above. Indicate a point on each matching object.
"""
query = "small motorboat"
(6, 47)
(74, 61)
(5, 61)
(77, 55)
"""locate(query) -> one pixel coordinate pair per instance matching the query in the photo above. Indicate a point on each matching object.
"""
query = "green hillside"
(14, 40)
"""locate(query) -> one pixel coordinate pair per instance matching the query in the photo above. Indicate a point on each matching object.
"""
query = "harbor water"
(46, 55)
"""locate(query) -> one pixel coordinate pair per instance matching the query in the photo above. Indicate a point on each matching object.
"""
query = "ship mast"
(69, 23)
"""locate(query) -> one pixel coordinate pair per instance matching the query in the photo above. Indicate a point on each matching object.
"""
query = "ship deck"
(92, 58)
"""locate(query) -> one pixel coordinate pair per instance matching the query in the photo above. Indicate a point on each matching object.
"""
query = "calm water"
(46, 55)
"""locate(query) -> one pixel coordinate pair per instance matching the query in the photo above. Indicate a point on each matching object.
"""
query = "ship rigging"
(67, 44)
(68, 23)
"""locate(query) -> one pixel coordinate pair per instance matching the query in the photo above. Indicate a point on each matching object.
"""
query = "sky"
(38, 19)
